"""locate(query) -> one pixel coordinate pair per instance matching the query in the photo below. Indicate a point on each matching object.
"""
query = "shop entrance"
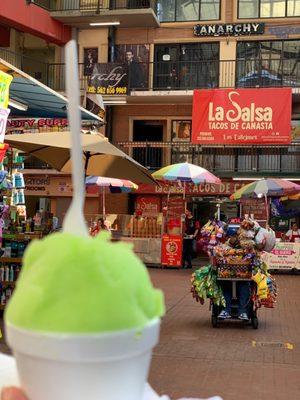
(204, 208)
(36, 204)
(148, 131)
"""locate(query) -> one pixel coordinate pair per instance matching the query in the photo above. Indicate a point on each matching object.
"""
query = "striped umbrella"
(112, 184)
(185, 172)
(266, 188)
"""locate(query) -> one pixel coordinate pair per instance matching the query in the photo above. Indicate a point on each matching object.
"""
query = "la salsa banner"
(208, 189)
(108, 79)
(242, 116)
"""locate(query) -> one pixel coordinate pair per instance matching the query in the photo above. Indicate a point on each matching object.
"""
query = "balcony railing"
(33, 67)
(183, 75)
(95, 5)
(56, 76)
(224, 161)
(47, 4)
(173, 75)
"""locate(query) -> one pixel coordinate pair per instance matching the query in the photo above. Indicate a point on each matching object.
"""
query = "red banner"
(175, 206)
(171, 250)
(147, 205)
(204, 189)
(242, 116)
(257, 207)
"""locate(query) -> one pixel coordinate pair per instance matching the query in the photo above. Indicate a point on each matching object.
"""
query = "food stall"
(174, 208)
(144, 232)
(173, 230)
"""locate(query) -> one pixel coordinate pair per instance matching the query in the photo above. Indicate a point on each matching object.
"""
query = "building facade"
(30, 38)
(168, 48)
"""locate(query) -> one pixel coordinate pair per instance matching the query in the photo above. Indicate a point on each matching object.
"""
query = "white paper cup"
(105, 366)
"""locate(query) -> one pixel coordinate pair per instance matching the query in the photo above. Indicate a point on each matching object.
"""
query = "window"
(188, 10)
(293, 8)
(248, 8)
(268, 8)
(186, 66)
(268, 63)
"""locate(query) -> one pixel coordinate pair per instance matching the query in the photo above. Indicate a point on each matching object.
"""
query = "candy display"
(266, 290)
(211, 234)
(235, 271)
(73, 284)
(205, 285)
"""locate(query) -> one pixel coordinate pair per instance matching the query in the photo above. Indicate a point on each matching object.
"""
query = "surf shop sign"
(242, 116)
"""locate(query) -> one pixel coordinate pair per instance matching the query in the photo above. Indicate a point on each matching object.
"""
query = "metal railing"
(183, 75)
(173, 75)
(95, 5)
(33, 67)
(263, 160)
(47, 4)
(275, 72)
(56, 76)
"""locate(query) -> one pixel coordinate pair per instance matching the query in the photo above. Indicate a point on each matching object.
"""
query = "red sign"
(257, 207)
(171, 250)
(175, 206)
(204, 189)
(147, 205)
(40, 122)
(3, 150)
(242, 116)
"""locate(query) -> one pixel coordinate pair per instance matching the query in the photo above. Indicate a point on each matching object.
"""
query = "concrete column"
(227, 63)
(74, 34)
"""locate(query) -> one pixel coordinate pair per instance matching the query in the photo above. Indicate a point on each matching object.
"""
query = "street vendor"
(243, 291)
(293, 235)
(190, 234)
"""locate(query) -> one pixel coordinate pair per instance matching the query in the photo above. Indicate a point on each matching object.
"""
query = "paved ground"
(193, 359)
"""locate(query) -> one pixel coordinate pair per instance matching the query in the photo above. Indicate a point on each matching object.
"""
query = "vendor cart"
(233, 274)
(252, 311)
(236, 281)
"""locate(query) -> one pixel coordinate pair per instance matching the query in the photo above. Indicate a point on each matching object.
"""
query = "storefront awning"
(31, 98)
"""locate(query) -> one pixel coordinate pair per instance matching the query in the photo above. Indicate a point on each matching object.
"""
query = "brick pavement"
(193, 359)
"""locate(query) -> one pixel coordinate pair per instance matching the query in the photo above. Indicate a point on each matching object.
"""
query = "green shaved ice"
(75, 284)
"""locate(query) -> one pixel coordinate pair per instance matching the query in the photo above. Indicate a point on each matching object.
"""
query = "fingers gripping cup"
(83, 320)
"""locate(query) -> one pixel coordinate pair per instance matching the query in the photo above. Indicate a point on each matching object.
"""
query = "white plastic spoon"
(74, 219)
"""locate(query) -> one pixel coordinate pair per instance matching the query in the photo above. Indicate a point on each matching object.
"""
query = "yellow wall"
(94, 38)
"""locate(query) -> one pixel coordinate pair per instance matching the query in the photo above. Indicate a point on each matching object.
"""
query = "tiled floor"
(233, 361)
(193, 359)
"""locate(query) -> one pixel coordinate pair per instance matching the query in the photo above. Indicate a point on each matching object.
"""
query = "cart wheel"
(254, 322)
(214, 321)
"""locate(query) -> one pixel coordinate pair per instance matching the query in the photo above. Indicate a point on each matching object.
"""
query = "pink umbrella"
(112, 184)
(185, 172)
